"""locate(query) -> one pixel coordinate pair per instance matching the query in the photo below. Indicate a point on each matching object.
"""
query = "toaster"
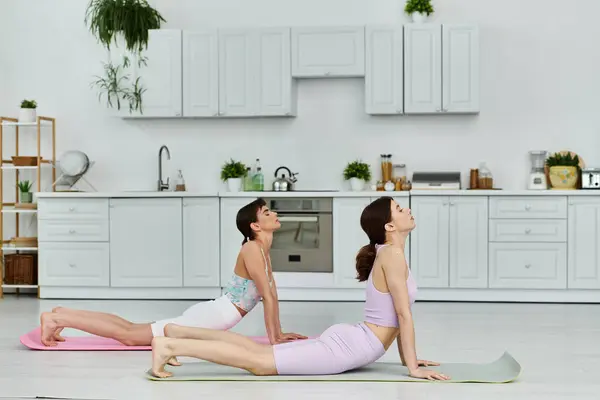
(590, 178)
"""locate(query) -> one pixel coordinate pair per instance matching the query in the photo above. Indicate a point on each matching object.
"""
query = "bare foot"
(49, 328)
(160, 356)
(57, 336)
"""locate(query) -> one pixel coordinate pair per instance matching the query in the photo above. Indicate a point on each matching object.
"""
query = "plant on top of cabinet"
(232, 173)
(563, 170)
(27, 112)
(418, 9)
(358, 173)
(130, 20)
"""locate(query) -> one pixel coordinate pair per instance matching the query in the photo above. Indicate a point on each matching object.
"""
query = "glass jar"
(485, 180)
(380, 187)
(406, 185)
(400, 172)
(386, 167)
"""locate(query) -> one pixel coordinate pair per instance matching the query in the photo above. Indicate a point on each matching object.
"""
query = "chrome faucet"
(161, 185)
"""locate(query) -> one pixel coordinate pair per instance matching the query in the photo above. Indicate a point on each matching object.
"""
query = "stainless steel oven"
(304, 242)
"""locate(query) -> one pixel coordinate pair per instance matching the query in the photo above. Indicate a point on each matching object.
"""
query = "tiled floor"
(558, 346)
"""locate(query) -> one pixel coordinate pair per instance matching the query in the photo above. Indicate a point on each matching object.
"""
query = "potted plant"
(232, 173)
(419, 10)
(128, 21)
(28, 111)
(563, 170)
(358, 173)
(25, 195)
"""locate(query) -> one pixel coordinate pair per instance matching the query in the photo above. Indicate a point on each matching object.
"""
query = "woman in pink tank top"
(390, 292)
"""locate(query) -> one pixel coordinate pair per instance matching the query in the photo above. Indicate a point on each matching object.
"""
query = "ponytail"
(245, 241)
(364, 262)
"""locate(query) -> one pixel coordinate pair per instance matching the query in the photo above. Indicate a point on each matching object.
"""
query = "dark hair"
(248, 215)
(372, 221)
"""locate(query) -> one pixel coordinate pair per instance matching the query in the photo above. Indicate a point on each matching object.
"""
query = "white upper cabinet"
(200, 74)
(384, 70)
(161, 77)
(255, 73)
(328, 51)
(460, 68)
(441, 69)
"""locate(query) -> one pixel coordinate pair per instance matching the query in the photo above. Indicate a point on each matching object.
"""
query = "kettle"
(284, 184)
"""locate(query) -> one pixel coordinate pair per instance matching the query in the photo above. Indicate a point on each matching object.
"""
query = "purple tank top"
(379, 306)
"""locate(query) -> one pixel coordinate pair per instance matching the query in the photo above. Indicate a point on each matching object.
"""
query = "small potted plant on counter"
(25, 195)
(232, 173)
(419, 10)
(358, 173)
(28, 111)
(563, 170)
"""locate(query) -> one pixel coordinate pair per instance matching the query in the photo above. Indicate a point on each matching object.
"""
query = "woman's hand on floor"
(428, 374)
(425, 363)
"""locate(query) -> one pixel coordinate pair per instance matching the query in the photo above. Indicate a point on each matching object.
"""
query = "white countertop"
(524, 192)
(330, 194)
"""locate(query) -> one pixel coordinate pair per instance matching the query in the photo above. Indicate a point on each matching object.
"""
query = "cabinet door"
(468, 242)
(276, 95)
(200, 73)
(146, 242)
(429, 241)
(328, 51)
(384, 70)
(237, 78)
(161, 76)
(422, 69)
(74, 264)
(231, 238)
(348, 238)
(583, 242)
(460, 68)
(200, 247)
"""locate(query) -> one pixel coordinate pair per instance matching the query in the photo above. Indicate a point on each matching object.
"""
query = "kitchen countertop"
(321, 194)
(524, 192)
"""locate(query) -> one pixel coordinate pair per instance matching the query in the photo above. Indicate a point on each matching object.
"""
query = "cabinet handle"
(451, 203)
(71, 209)
(71, 265)
(528, 207)
(71, 231)
(528, 231)
(438, 110)
(527, 266)
(178, 115)
(445, 203)
(327, 73)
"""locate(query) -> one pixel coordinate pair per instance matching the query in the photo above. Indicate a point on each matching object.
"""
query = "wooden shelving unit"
(11, 126)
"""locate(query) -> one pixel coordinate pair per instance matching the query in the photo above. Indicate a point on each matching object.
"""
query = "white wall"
(539, 90)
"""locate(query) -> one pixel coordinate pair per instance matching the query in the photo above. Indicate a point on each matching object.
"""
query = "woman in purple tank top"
(342, 347)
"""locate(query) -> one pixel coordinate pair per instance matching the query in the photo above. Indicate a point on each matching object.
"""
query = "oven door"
(303, 243)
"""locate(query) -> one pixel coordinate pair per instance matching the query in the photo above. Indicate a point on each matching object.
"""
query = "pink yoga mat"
(91, 343)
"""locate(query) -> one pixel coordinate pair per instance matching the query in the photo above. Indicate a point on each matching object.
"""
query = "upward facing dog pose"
(390, 292)
(252, 280)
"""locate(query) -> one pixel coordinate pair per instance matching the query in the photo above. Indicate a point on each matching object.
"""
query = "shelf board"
(10, 123)
(18, 167)
(19, 210)
(11, 248)
(19, 286)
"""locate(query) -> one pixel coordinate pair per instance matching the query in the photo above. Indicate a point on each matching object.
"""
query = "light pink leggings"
(342, 347)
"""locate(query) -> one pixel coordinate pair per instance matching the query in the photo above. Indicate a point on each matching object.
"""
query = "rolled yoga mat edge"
(505, 369)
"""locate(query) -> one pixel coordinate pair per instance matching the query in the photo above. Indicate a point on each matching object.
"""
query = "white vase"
(418, 18)
(27, 115)
(357, 184)
(234, 184)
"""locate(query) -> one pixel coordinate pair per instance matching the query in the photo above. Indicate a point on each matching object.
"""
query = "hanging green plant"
(131, 20)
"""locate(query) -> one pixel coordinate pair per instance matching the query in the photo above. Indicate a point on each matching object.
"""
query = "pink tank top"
(379, 306)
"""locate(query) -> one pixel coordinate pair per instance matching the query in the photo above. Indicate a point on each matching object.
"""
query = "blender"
(537, 176)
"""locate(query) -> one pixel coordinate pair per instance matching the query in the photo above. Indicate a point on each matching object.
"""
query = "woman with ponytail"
(251, 281)
(390, 292)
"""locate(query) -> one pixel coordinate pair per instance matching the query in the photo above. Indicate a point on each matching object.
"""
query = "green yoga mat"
(503, 370)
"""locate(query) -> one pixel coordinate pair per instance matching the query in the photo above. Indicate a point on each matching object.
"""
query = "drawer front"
(73, 209)
(74, 264)
(528, 207)
(528, 265)
(50, 230)
(528, 230)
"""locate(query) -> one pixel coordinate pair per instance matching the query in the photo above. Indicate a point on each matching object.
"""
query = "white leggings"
(218, 314)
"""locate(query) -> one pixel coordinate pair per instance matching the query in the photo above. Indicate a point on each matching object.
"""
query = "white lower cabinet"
(146, 242)
(528, 265)
(74, 264)
(584, 243)
(449, 244)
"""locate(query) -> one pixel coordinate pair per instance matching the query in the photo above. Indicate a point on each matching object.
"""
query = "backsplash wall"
(539, 90)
